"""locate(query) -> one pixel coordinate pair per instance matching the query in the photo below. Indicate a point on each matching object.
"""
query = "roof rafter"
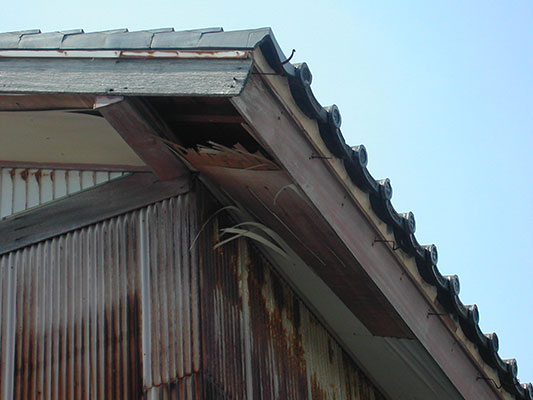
(145, 133)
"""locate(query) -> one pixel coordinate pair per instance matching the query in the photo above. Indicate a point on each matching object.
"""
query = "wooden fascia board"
(87, 207)
(273, 126)
(124, 76)
(145, 133)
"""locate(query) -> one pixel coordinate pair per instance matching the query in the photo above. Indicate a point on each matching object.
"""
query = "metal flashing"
(140, 53)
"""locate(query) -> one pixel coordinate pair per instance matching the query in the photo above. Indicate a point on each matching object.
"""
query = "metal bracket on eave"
(104, 101)
(392, 242)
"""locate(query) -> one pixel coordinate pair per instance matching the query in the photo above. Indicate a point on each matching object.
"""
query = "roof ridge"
(123, 39)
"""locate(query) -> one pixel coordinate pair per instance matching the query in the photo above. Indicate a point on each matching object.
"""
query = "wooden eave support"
(87, 207)
(274, 128)
(145, 133)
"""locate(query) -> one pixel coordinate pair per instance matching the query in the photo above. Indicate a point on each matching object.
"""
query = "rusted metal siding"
(172, 330)
(225, 363)
(107, 311)
(260, 340)
(7, 326)
(141, 306)
(76, 331)
(22, 188)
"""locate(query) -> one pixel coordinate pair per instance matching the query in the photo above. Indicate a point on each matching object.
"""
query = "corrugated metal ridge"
(402, 224)
(122, 39)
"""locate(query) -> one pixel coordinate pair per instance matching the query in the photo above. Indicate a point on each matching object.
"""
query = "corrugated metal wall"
(135, 307)
(21, 188)
(82, 313)
(73, 321)
(171, 320)
(260, 340)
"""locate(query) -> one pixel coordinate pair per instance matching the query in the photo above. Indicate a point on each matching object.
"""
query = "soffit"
(62, 137)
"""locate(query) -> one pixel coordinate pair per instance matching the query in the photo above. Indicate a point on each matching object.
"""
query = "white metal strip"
(184, 54)
(22, 189)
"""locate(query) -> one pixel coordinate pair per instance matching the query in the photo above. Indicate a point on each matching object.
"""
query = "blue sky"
(440, 93)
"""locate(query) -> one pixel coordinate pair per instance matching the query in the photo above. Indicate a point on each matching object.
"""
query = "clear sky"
(440, 93)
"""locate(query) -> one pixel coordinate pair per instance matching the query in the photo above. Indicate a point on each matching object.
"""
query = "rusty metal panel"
(260, 340)
(225, 364)
(22, 188)
(75, 322)
(172, 365)
(7, 326)
(107, 311)
(113, 311)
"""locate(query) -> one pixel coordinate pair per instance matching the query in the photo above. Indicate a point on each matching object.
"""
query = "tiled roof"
(122, 39)
(329, 121)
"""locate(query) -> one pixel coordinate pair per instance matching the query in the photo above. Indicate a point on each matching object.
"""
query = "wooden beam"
(292, 150)
(143, 130)
(86, 208)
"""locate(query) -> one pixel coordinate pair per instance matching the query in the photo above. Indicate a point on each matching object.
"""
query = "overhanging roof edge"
(402, 224)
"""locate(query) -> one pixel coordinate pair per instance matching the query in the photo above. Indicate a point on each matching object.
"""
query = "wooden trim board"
(86, 208)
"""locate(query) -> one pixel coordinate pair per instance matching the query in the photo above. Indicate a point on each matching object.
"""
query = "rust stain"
(24, 175)
(38, 176)
(317, 392)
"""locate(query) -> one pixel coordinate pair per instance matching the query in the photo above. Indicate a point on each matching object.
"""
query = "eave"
(350, 236)
(395, 231)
